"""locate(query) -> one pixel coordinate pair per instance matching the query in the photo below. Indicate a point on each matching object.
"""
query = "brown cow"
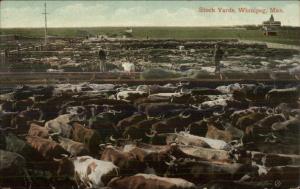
(283, 176)
(89, 137)
(131, 120)
(247, 120)
(46, 147)
(148, 181)
(74, 148)
(128, 162)
(36, 130)
(226, 135)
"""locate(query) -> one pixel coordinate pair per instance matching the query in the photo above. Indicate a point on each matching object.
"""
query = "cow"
(129, 96)
(213, 103)
(129, 121)
(153, 89)
(23, 119)
(22, 105)
(46, 147)
(240, 113)
(262, 127)
(271, 160)
(229, 134)
(10, 142)
(23, 93)
(61, 124)
(13, 171)
(288, 130)
(51, 106)
(198, 128)
(140, 103)
(249, 119)
(201, 172)
(179, 122)
(74, 148)
(277, 96)
(7, 120)
(229, 88)
(150, 181)
(187, 98)
(207, 154)
(105, 123)
(127, 162)
(212, 143)
(87, 171)
(167, 109)
(255, 93)
(273, 148)
(89, 137)
(227, 184)
(180, 138)
(283, 176)
(205, 91)
(153, 158)
(6, 105)
(140, 129)
(37, 130)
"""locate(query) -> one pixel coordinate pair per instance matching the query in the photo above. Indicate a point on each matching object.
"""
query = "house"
(271, 22)
(271, 26)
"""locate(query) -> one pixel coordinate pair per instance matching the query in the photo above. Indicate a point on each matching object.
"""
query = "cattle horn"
(172, 157)
(64, 155)
(187, 129)
(219, 114)
(175, 130)
(194, 106)
(56, 159)
(168, 163)
(184, 116)
(7, 128)
(138, 140)
(54, 134)
(205, 119)
(270, 111)
(153, 133)
(112, 139)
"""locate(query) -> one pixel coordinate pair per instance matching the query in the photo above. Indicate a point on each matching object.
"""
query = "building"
(271, 26)
(271, 22)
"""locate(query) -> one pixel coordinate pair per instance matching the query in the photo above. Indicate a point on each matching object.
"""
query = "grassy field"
(286, 35)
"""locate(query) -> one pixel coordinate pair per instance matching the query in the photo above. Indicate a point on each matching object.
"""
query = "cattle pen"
(7, 78)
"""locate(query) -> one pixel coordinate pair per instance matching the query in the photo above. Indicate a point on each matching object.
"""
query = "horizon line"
(256, 25)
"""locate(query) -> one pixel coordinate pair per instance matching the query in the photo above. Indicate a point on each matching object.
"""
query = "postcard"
(139, 94)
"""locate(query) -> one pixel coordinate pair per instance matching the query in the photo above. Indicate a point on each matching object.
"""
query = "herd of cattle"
(150, 136)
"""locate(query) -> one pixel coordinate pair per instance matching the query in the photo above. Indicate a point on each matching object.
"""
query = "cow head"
(66, 167)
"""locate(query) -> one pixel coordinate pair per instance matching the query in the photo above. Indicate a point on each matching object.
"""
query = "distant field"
(286, 35)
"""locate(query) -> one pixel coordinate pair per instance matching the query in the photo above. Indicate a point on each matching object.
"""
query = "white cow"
(86, 170)
(128, 67)
(212, 103)
(130, 95)
(97, 168)
(213, 143)
(60, 125)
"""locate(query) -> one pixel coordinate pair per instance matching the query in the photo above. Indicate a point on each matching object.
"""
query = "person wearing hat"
(102, 58)
(218, 55)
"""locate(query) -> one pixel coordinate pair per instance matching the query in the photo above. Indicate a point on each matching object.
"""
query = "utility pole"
(45, 13)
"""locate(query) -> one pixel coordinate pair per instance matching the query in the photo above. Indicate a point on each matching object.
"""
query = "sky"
(143, 13)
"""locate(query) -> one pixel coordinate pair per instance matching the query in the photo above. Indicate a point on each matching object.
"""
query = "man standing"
(102, 59)
(218, 55)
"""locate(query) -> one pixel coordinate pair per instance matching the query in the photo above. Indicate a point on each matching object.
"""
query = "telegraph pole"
(45, 13)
